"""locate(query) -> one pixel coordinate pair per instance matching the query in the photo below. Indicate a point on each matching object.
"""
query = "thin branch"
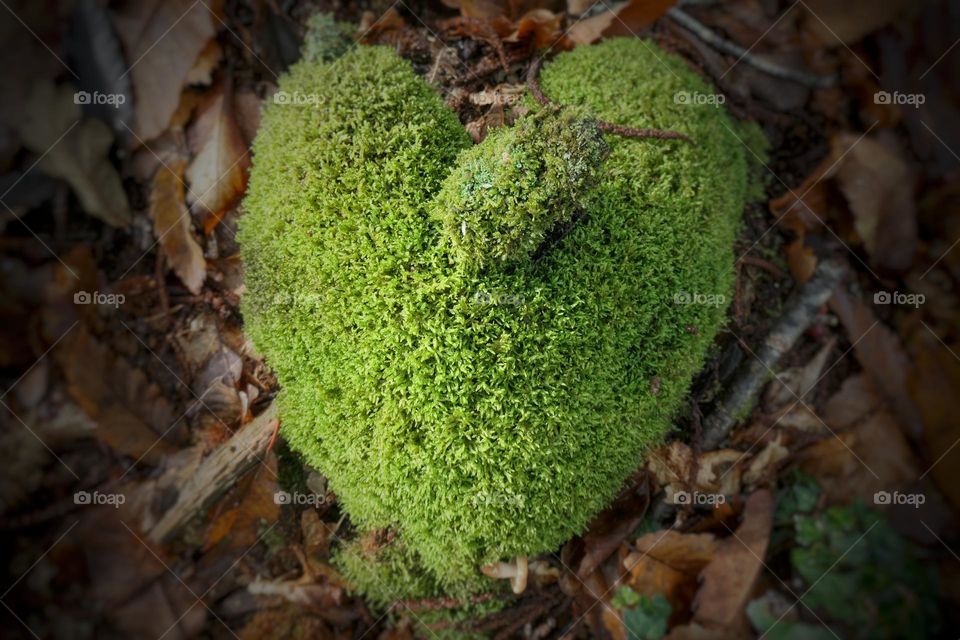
(742, 394)
(703, 32)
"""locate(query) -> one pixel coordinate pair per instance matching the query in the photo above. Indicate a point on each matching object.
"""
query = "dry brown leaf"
(218, 172)
(542, 28)
(869, 452)
(671, 467)
(881, 355)
(131, 413)
(173, 228)
(205, 64)
(837, 23)
(77, 152)
(623, 19)
(161, 39)
(728, 580)
(935, 387)
(764, 465)
(878, 186)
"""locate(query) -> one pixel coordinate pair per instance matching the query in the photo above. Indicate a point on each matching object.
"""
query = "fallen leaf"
(763, 466)
(866, 452)
(935, 387)
(162, 40)
(882, 357)
(668, 562)
(131, 413)
(173, 228)
(728, 580)
(623, 19)
(878, 185)
(205, 64)
(797, 382)
(717, 471)
(78, 152)
(218, 172)
(846, 23)
(874, 183)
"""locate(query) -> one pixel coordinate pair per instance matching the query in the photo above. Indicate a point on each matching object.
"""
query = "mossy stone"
(485, 409)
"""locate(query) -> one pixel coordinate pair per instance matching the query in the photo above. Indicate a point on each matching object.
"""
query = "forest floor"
(810, 490)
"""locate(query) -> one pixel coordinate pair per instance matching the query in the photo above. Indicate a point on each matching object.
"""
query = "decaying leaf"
(878, 186)
(846, 23)
(935, 388)
(131, 413)
(729, 578)
(879, 351)
(173, 226)
(868, 452)
(622, 19)
(218, 172)
(205, 64)
(717, 472)
(797, 382)
(162, 40)
(75, 151)
(668, 562)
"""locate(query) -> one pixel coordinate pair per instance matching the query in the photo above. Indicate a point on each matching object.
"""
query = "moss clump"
(505, 195)
(491, 411)
(326, 39)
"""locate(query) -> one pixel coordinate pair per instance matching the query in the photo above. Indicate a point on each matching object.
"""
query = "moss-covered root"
(505, 195)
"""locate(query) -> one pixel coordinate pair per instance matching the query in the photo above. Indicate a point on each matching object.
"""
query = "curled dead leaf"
(218, 172)
(173, 228)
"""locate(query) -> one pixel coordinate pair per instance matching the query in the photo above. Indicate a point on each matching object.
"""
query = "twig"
(742, 394)
(607, 127)
(704, 33)
(216, 474)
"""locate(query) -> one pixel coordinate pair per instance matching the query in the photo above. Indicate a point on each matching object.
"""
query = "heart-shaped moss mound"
(482, 407)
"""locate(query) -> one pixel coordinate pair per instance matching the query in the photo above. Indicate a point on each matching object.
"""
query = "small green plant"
(477, 344)
(860, 573)
(644, 618)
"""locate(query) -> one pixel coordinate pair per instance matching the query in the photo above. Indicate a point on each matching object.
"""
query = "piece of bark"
(215, 475)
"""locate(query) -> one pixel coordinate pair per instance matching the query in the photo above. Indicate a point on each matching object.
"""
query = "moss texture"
(505, 195)
(484, 407)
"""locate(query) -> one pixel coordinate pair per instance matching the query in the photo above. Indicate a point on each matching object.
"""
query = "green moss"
(505, 195)
(394, 572)
(326, 39)
(491, 411)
